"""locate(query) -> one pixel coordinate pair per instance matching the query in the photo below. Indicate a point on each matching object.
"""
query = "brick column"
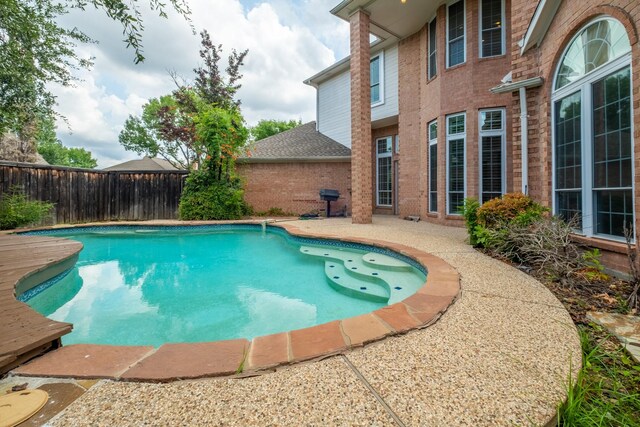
(361, 167)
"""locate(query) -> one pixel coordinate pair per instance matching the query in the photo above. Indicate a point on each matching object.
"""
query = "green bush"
(511, 207)
(205, 198)
(487, 223)
(17, 211)
(470, 215)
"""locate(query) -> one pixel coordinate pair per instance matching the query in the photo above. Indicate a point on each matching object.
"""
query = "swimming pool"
(153, 285)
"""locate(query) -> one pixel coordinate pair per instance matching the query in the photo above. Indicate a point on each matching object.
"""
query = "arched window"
(592, 131)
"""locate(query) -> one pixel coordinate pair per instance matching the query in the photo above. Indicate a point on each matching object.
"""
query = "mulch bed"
(580, 296)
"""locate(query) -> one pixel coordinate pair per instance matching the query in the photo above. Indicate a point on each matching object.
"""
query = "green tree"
(266, 128)
(35, 51)
(165, 129)
(57, 154)
(215, 192)
(167, 126)
(210, 84)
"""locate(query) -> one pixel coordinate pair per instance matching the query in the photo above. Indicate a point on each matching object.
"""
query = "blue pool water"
(150, 287)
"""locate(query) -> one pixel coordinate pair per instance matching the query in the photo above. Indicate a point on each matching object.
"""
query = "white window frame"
(464, 36)
(450, 137)
(432, 142)
(378, 157)
(503, 28)
(435, 50)
(503, 148)
(381, 62)
(584, 87)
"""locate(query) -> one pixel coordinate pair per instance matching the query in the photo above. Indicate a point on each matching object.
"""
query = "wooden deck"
(26, 261)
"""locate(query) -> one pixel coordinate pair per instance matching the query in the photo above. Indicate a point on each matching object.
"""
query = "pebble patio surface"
(501, 355)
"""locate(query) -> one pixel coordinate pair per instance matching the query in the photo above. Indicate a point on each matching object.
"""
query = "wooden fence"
(84, 195)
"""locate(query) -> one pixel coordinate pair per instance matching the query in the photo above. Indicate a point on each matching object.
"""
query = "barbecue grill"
(329, 196)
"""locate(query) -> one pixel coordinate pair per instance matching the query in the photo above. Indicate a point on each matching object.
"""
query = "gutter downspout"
(524, 134)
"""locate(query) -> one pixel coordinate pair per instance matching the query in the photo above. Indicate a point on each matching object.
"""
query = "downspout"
(524, 134)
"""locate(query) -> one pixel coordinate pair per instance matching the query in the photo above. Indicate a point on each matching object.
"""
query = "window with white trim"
(456, 28)
(384, 178)
(456, 171)
(433, 166)
(433, 68)
(593, 131)
(492, 154)
(492, 34)
(377, 79)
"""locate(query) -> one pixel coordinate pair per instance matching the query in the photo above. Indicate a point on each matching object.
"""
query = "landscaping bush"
(486, 223)
(17, 211)
(517, 228)
(204, 198)
(545, 244)
(510, 207)
(470, 214)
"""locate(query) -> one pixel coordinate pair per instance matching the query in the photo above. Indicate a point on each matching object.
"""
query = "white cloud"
(287, 42)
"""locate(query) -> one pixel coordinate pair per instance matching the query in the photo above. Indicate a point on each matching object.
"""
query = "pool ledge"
(242, 357)
(26, 261)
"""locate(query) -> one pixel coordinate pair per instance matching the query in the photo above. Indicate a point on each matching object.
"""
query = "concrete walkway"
(500, 355)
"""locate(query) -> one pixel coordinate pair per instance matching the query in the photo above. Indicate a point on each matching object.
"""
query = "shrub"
(470, 214)
(544, 244)
(517, 228)
(204, 198)
(17, 211)
(510, 207)
(486, 223)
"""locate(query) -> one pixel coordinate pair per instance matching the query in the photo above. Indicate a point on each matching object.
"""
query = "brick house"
(476, 98)
(288, 170)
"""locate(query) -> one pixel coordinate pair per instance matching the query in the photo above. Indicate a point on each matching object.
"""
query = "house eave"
(539, 24)
(316, 159)
(515, 86)
(345, 64)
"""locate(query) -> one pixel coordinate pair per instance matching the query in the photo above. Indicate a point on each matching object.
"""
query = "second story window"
(455, 34)
(432, 49)
(377, 89)
(491, 28)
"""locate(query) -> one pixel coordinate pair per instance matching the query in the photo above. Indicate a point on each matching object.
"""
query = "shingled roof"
(144, 164)
(298, 144)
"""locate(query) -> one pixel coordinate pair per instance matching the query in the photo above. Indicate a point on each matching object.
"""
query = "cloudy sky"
(288, 41)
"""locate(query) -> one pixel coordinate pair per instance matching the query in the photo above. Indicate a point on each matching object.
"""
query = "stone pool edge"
(241, 357)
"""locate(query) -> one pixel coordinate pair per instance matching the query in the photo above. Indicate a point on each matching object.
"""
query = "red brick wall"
(361, 118)
(295, 187)
(409, 123)
(463, 88)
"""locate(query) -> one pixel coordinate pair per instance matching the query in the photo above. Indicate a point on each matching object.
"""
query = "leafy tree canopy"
(36, 51)
(52, 150)
(266, 128)
(165, 129)
(57, 154)
(193, 123)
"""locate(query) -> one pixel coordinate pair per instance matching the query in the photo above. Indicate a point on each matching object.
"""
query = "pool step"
(385, 262)
(396, 277)
(346, 283)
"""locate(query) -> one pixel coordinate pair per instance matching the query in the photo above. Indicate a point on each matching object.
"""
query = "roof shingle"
(302, 142)
(144, 164)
